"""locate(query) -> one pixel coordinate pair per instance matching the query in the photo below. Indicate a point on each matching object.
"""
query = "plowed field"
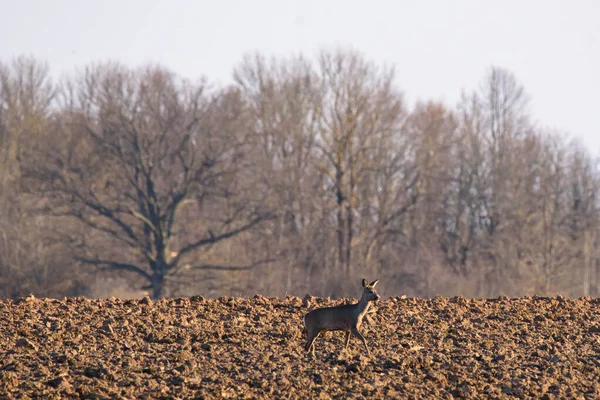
(252, 348)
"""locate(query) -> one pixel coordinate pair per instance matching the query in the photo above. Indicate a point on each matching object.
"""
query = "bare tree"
(432, 131)
(361, 112)
(284, 97)
(583, 216)
(146, 153)
(26, 94)
(494, 125)
(27, 264)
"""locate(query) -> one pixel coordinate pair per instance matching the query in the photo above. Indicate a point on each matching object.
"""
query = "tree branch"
(406, 206)
(113, 265)
(216, 238)
(214, 267)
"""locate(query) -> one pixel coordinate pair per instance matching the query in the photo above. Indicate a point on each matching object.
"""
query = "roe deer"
(346, 318)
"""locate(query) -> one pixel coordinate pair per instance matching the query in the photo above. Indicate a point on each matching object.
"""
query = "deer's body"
(346, 318)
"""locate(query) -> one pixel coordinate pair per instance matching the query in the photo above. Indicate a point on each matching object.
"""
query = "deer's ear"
(365, 283)
(374, 283)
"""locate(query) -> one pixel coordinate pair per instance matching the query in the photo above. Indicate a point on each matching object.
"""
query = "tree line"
(302, 176)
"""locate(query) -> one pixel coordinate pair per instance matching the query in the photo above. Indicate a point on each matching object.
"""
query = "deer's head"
(369, 290)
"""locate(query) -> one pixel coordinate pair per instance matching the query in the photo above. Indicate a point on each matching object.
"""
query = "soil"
(253, 348)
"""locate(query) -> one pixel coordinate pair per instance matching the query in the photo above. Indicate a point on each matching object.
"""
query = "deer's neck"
(362, 307)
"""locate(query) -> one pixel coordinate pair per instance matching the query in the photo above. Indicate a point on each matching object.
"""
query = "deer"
(347, 317)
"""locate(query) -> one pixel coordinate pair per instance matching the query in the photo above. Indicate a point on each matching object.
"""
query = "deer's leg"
(312, 344)
(362, 338)
(347, 339)
(310, 341)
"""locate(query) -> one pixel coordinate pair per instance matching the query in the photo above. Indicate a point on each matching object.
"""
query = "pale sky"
(438, 47)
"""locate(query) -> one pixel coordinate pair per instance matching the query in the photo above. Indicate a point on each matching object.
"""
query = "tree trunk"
(340, 228)
(157, 285)
(588, 260)
(349, 239)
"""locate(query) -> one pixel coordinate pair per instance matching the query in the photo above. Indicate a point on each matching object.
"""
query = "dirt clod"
(22, 342)
(354, 367)
(205, 346)
(59, 383)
